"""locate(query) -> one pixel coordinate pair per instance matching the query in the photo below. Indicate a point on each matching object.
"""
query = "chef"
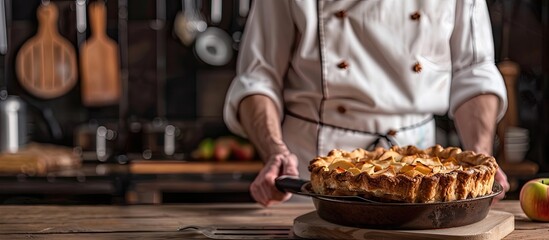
(313, 76)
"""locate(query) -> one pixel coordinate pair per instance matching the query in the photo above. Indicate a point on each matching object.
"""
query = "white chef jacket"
(355, 69)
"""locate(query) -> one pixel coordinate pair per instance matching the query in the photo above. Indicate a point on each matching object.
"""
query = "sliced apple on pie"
(404, 174)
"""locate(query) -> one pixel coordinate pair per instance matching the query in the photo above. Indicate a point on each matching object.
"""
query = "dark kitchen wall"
(528, 46)
(165, 78)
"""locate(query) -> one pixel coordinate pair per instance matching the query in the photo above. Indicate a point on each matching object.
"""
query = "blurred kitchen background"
(155, 133)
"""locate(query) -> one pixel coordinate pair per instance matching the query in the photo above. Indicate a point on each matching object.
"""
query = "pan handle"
(295, 185)
(290, 184)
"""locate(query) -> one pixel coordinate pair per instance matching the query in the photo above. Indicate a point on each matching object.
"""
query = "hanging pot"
(214, 46)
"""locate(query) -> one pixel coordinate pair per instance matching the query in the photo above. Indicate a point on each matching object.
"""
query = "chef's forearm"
(261, 122)
(476, 121)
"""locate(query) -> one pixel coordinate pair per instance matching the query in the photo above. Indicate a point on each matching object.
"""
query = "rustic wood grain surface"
(162, 221)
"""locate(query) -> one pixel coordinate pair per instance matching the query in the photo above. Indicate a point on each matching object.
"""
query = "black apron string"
(387, 136)
(373, 145)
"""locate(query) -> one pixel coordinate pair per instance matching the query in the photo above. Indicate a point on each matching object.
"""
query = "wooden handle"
(47, 18)
(98, 18)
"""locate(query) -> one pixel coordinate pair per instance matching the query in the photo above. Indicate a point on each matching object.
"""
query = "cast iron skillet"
(357, 212)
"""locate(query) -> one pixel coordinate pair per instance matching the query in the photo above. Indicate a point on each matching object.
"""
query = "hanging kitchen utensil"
(99, 62)
(216, 11)
(46, 63)
(356, 213)
(188, 23)
(160, 58)
(213, 46)
(123, 142)
(3, 29)
(13, 124)
(238, 22)
(81, 23)
(3, 50)
(243, 8)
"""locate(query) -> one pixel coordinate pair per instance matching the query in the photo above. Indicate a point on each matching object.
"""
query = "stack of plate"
(516, 144)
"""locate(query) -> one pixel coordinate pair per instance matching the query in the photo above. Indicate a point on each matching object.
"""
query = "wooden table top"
(162, 221)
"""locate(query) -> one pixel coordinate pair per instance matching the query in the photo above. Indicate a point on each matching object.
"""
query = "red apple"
(223, 147)
(221, 152)
(534, 199)
(244, 152)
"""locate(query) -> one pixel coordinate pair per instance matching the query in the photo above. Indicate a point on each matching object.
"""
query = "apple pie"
(404, 174)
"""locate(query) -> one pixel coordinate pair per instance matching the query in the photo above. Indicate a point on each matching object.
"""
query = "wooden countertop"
(162, 221)
(179, 167)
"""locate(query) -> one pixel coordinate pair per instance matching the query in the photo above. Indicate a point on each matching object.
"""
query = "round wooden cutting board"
(495, 226)
(46, 64)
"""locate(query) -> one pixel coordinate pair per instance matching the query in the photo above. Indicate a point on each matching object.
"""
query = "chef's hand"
(263, 188)
(501, 178)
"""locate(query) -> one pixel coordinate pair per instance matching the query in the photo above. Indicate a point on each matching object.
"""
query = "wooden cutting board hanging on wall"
(99, 62)
(46, 64)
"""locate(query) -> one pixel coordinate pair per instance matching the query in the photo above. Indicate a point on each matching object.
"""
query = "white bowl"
(523, 139)
(516, 132)
(517, 146)
(515, 156)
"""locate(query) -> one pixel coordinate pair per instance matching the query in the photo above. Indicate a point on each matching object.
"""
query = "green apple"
(206, 148)
(534, 199)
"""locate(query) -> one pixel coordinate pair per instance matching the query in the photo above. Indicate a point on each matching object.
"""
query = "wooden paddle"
(99, 62)
(46, 63)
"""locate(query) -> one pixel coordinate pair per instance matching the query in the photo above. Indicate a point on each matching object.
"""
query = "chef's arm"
(476, 121)
(260, 119)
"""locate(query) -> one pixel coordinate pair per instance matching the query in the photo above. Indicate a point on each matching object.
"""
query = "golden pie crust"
(404, 174)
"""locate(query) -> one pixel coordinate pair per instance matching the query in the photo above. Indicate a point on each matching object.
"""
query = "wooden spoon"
(99, 62)
(46, 63)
